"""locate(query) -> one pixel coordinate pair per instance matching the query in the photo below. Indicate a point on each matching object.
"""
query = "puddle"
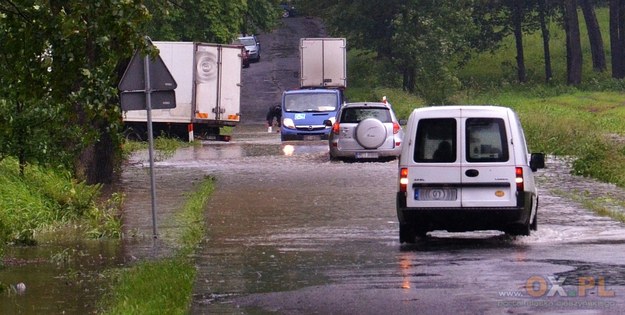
(57, 278)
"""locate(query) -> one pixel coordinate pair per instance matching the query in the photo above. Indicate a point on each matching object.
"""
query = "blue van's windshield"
(310, 102)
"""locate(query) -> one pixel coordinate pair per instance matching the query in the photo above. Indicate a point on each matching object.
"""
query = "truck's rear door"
(217, 82)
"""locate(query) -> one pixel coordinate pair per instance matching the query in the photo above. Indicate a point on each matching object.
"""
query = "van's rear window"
(436, 141)
(486, 140)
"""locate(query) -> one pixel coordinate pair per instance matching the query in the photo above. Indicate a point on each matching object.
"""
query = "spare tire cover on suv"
(370, 133)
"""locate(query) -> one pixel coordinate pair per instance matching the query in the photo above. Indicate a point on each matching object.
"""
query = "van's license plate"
(436, 194)
(367, 155)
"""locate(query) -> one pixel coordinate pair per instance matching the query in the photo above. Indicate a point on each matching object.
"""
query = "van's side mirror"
(537, 160)
(403, 122)
(327, 123)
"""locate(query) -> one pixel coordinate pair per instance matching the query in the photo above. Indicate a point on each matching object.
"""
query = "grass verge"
(605, 206)
(45, 199)
(164, 286)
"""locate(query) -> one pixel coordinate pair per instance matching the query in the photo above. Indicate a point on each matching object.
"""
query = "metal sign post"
(148, 106)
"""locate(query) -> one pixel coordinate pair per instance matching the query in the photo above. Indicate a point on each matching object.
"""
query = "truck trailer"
(208, 92)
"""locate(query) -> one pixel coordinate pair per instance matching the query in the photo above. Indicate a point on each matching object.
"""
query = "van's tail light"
(519, 179)
(336, 128)
(403, 179)
(395, 128)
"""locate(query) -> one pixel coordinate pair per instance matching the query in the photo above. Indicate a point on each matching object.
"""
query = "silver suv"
(365, 130)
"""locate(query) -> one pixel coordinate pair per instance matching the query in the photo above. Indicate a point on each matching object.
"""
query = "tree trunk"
(409, 79)
(517, 17)
(545, 33)
(573, 43)
(20, 133)
(594, 36)
(97, 160)
(616, 41)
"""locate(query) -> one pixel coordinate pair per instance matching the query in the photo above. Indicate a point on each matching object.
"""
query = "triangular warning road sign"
(160, 77)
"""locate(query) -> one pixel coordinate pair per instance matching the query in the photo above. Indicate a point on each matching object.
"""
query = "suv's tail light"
(336, 128)
(395, 128)
(519, 179)
(403, 179)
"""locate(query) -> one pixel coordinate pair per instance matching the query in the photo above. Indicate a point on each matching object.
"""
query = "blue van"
(304, 112)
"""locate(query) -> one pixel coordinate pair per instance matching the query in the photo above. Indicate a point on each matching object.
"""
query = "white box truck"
(323, 77)
(208, 91)
(323, 62)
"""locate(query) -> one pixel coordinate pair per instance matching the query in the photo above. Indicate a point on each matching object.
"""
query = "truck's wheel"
(135, 133)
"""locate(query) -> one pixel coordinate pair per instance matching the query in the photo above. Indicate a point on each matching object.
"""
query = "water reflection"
(216, 152)
(288, 150)
(404, 269)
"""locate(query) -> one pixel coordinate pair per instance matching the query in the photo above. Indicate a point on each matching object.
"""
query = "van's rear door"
(488, 166)
(436, 181)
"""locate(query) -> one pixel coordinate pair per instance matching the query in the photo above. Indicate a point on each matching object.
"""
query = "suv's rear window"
(436, 141)
(486, 140)
(356, 114)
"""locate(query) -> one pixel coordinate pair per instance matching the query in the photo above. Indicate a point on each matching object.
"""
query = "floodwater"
(66, 274)
(283, 218)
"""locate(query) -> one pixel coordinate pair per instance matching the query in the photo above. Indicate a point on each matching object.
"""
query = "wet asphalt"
(290, 232)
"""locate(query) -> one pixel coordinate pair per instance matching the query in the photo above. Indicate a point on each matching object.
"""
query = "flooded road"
(294, 233)
(291, 232)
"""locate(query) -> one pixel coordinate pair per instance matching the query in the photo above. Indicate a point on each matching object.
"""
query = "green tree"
(421, 39)
(58, 77)
(428, 37)
(212, 21)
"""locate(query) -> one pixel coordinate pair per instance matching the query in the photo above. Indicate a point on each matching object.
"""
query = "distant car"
(252, 45)
(365, 130)
(288, 10)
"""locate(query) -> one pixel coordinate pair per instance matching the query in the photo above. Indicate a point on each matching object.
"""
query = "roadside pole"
(148, 106)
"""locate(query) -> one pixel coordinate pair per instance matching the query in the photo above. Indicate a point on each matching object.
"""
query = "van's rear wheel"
(534, 225)
(519, 229)
(409, 234)
(406, 234)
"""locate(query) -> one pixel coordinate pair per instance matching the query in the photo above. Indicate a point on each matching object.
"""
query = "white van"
(465, 168)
